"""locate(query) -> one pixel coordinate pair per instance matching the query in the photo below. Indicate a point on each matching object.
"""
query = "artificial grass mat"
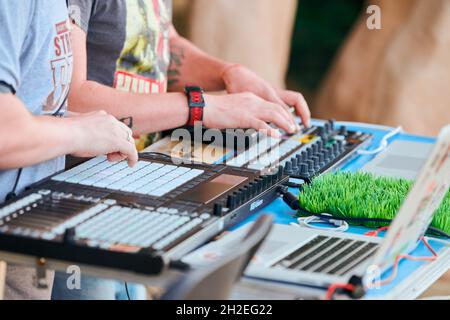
(363, 195)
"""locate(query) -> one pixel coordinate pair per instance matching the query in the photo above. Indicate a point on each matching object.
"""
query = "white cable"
(383, 144)
(306, 222)
(364, 125)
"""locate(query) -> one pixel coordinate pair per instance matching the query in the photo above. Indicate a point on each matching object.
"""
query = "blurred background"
(399, 75)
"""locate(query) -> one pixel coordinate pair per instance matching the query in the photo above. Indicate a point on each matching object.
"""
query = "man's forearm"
(150, 112)
(189, 65)
(26, 140)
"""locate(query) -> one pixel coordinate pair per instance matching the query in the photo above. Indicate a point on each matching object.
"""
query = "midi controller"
(139, 219)
(304, 155)
(312, 151)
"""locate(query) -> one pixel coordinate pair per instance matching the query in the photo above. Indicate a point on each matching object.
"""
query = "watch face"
(195, 95)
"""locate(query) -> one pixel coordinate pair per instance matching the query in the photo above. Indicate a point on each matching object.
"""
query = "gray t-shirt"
(35, 62)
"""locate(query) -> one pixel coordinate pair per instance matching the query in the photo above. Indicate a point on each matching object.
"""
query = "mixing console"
(139, 218)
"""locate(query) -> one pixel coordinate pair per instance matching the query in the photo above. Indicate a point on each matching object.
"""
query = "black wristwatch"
(196, 103)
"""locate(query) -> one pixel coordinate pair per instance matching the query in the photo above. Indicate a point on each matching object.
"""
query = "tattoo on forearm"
(176, 61)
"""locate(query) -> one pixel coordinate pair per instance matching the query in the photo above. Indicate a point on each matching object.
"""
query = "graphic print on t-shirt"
(61, 68)
(145, 57)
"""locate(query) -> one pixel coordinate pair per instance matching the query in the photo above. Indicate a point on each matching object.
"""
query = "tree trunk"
(255, 33)
(398, 75)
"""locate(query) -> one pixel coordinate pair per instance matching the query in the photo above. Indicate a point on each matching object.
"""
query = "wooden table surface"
(440, 288)
(2, 278)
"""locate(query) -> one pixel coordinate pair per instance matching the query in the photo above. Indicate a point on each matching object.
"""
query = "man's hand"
(246, 111)
(239, 79)
(101, 134)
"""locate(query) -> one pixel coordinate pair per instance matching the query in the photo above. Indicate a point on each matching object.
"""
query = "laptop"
(317, 258)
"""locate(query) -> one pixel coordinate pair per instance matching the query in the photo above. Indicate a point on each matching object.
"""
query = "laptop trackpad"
(402, 159)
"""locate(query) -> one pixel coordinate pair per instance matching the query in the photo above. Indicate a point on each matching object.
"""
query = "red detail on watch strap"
(195, 115)
(196, 96)
(196, 104)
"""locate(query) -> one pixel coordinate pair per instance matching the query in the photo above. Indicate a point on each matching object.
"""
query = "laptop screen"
(416, 212)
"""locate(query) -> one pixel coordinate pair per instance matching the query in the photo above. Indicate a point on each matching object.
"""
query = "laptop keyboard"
(146, 178)
(330, 255)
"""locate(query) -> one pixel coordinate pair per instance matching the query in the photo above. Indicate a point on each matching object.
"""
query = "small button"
(304, 169)
(288, 169)
(205, 216)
